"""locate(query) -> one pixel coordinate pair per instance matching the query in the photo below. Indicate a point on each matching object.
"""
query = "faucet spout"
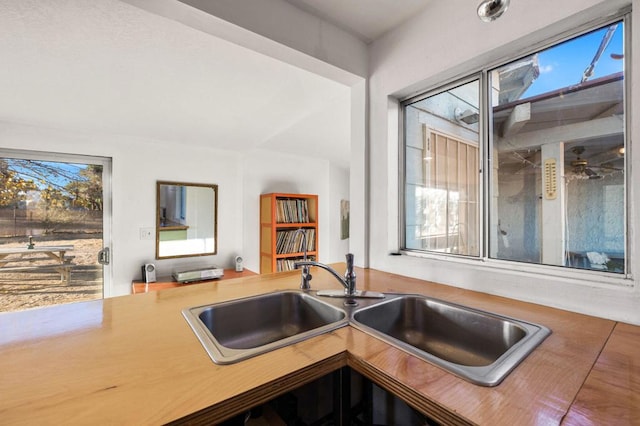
(328, 268)
(349, 280)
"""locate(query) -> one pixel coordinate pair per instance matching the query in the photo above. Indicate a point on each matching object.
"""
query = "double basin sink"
(478, 346)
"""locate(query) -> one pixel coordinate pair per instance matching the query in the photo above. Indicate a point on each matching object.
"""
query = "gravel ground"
(32, 289)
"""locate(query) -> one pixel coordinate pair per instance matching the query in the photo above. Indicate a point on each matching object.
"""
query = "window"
(554, 143)
(54, 221)
(442, 180)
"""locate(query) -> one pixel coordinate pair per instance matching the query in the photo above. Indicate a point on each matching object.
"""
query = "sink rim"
(489, 375)
(223, 355)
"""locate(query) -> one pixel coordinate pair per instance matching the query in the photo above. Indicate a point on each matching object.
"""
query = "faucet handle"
(349, 257)
(350, 275)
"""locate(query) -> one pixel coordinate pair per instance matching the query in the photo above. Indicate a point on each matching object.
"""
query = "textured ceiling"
(110, 67)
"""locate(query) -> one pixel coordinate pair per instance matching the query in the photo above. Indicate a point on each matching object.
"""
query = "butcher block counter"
(135, 360)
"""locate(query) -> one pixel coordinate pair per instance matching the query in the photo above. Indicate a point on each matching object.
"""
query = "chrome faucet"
(348, 282)
(306, 275)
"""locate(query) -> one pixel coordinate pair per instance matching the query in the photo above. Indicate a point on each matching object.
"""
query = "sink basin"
(475, 345)
(238, 329)
(478, 346)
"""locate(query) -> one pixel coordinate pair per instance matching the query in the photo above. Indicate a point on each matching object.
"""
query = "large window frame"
(486, 161)
(449, 133)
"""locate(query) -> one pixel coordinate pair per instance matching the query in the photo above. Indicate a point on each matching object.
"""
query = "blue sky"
(563, 65)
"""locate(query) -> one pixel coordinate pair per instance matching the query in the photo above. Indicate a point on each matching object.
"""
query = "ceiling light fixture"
(490, 10)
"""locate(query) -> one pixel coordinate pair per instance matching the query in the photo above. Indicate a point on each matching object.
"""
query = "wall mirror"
(186, 219)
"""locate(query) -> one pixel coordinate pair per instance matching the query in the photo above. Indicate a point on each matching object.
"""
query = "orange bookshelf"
(281, 215)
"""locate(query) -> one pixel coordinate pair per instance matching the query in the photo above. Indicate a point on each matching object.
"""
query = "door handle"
(103, 256)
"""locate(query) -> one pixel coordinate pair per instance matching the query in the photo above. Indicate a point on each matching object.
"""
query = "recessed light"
(490, 10)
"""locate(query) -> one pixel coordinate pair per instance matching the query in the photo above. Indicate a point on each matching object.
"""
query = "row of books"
(292, 211)
(288, 264)
(292, 241)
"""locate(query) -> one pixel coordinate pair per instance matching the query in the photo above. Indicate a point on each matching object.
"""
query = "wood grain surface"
(163, 283)
(611, 394)
(134, 360)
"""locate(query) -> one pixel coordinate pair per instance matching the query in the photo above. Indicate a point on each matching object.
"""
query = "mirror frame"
(214, 187)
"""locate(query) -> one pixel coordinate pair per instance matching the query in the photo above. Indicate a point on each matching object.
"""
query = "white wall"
(241, 178)
(137, 165)
(447, 41)
(280, 30)
(339, 190)
(268, 171)
(274, 28)
(290, 26)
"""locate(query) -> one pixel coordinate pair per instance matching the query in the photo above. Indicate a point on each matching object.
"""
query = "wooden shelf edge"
(295, 225)
(287, 195)
(264, 393)
(427, 407)
(288, 255)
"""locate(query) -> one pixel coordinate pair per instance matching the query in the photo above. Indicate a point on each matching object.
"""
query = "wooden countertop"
(611, 393)
(134, 360)
(163, 283)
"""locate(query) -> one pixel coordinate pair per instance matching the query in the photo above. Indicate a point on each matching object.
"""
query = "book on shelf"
(292, 241)
(290, 210)
(289, 264)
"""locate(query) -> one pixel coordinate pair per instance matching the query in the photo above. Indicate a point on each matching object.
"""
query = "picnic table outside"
(26, 258)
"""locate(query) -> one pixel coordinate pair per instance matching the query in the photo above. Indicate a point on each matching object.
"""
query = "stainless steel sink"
(238, 329)
(478, 346)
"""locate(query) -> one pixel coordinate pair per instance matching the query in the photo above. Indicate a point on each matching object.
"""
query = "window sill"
(576, 276)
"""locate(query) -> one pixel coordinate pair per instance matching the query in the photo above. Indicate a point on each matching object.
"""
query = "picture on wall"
(344, 219)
